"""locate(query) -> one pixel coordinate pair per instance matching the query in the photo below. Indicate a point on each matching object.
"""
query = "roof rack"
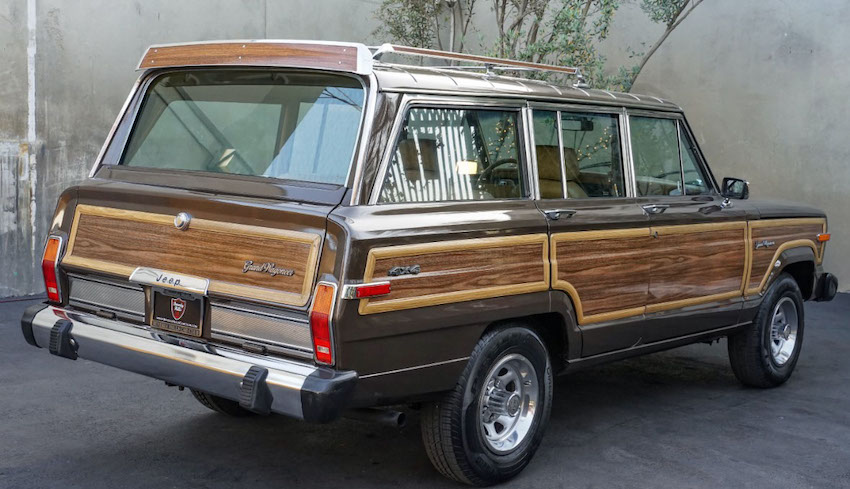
(488, 63)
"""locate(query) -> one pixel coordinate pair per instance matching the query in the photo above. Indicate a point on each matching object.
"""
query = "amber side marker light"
(320, 322)
(50, 268)
(824, 237)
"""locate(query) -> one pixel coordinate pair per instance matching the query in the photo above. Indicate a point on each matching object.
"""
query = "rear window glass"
(295, 126)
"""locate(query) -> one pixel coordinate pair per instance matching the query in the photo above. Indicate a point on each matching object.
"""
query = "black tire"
(220, 404)
(750, 349)
(451, 428)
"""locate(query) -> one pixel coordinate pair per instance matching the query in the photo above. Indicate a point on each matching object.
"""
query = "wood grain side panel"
(116, 242)
(693, 264)
(605, 272)
(455, 271)
(783, 233)
(325, 56)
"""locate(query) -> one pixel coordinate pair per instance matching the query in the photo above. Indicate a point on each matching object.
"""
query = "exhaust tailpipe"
(389, 417)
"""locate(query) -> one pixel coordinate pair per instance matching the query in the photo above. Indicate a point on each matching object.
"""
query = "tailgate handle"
(555, 214)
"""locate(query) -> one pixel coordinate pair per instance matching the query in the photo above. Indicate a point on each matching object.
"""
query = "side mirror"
(735, 188)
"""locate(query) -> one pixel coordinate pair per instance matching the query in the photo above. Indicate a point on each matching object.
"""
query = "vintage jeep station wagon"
(303, 228)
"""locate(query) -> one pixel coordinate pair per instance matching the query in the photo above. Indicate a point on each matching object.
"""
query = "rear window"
(294, 126)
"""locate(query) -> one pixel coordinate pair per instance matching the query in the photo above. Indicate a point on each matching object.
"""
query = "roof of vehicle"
(360, 59)
(446, 80)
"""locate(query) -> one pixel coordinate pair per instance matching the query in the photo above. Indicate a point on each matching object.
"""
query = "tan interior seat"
(573, 173)
(549, 172)
(419, 163)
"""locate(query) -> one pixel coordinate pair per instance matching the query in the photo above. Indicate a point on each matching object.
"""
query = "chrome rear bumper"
(262, 384)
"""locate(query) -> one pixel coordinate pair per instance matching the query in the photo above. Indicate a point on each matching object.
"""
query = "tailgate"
(257, 259)
(259, 262)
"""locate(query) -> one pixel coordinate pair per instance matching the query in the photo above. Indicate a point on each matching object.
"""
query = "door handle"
(555, 214)
(651, 209)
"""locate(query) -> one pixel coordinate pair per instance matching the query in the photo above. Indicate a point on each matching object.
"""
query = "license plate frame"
(177, 312)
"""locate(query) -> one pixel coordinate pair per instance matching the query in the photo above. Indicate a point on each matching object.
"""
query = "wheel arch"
(800, 263)
(557, 328)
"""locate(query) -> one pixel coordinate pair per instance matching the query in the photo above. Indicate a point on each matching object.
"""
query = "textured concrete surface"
(677, 419)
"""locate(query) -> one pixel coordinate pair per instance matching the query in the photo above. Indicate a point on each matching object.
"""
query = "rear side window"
(295, 126)
(586, 159)
(593, 164)
(447, 154)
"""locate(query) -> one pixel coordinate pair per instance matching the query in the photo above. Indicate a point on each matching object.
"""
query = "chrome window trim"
(530, 154)
(354, 181)
(109, 136)
(532, 143)
(628, 157)
(442, 102)
(702, 162)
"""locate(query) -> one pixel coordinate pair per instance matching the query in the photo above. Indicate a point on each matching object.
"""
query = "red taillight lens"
(372, 290)
(48, 268)
(320, 322)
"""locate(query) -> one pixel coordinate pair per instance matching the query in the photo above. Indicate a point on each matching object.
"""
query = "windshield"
(296, 126)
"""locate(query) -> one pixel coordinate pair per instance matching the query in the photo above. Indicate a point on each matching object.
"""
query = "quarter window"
(447, 154)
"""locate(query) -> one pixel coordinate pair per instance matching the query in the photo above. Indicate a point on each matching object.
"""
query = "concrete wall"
(760, 82)
(85, 56)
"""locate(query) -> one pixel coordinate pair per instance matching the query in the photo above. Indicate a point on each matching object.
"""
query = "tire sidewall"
(785, 286)
(485, 461)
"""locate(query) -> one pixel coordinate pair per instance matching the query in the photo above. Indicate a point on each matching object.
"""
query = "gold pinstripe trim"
(817, 248)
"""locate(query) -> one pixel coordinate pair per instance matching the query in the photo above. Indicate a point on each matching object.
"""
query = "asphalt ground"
(677, 419)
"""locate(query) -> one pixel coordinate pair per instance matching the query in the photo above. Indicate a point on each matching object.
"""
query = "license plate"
(178, 312)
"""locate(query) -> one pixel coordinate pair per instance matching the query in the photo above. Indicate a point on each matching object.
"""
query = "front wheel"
(765, 354)
(488, 427)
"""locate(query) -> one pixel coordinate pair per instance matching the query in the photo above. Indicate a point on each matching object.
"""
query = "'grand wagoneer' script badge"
(267, 267)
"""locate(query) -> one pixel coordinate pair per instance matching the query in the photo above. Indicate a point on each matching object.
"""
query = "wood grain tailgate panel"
(117, 241)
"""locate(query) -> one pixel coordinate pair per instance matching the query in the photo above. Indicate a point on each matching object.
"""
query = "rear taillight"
(50, 268)
(320, 322)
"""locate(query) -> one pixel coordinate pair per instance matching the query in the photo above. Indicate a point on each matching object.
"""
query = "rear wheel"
(488, 427)
(765, 354)
(220, 404)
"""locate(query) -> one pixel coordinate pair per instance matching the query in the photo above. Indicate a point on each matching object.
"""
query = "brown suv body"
(598, 278)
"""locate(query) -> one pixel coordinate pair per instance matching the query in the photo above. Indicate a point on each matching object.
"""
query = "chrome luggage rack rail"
(490, 64)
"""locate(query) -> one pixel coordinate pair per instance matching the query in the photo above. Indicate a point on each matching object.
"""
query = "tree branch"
(678, 19)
